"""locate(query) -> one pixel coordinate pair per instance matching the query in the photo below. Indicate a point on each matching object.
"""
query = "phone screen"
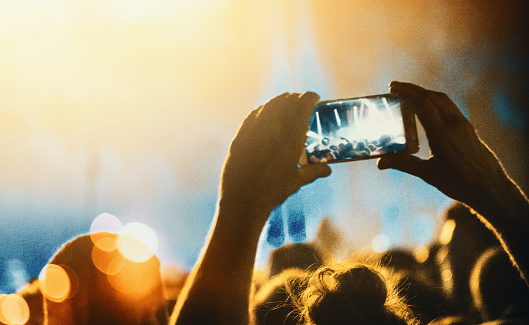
(353, 129)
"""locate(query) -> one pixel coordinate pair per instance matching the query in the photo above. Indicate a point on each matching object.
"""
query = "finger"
(253, 114)
(445, 107)
(303, 111)
(299, 108)
(449, 111)
(303, 176)
(405, 163)
(421, 103)
(284, 121)
(309, 173)
(249, 120)
(406, 86)
(273, 108)
(278, 98)
(308, 101)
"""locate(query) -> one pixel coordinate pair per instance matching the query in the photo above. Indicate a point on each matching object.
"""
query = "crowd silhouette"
(475, 273)
(350, 150)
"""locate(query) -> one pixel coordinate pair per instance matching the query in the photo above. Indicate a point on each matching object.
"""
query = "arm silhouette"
(465, 169)
(260, 172)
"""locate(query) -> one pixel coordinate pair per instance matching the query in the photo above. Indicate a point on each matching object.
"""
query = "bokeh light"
(128, 280)
(13, 310)
(174, 279)
(448, 230)
(55, 283)
(108, 262)
(101, 230)
(117, 106)
(105, 222)
(137, 242)
(421, 253)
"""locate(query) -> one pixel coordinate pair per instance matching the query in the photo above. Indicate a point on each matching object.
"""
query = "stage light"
(338, 121)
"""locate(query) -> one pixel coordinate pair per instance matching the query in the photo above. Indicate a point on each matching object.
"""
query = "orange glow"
(133, 249)
(173, 279)
(102, 231)
(138, 280)
(13, 310)
(137, 242)
(447, 232)
(128, 280)
(108, 262)
(104, 241)
(2, 317)
(73, 278)
(116, 265)
(421, 253)
(55, 284)
(130, 105)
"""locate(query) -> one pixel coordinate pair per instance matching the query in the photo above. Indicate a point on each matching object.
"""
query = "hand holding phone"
(359, 128)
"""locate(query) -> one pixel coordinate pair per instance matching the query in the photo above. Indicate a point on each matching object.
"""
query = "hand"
(261, 170)
(460, 165)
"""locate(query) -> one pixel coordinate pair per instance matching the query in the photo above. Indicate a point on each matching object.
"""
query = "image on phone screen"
(358, 128)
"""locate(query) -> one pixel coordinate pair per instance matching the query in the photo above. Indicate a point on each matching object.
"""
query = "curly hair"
(354, 294)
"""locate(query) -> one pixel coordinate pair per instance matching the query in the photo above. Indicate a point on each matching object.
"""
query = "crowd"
(476, 273)
(345, 149)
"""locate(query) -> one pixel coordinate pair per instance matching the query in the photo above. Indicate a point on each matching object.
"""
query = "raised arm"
(260, 173)
(465, 169)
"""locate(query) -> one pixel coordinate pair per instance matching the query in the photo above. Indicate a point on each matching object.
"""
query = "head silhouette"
(498, 290)
(275, 301)
(468, 240)
(85, 283)
(356, 294)
(305, 256)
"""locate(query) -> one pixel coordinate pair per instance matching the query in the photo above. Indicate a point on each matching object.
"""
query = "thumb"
(309, 173)
(405, 163)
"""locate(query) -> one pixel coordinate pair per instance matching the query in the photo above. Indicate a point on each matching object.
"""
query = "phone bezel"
(409, 125)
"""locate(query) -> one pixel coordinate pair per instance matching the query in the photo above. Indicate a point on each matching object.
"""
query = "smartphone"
(359, 128)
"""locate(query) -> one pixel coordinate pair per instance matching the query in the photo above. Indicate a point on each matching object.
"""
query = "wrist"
(243, 214)
(504, 205)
